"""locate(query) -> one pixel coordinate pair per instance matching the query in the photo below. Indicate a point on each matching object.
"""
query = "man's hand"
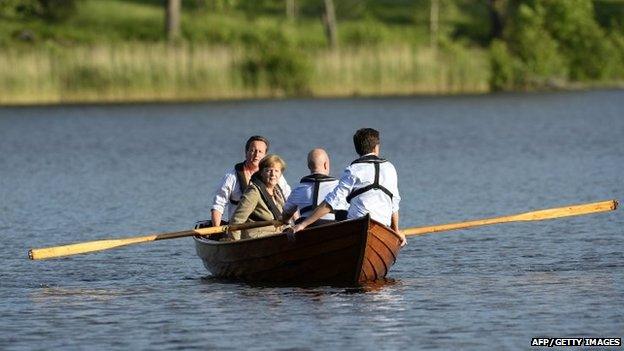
(290, 235)
(403, 238)
(298, 227)
(290, 231)
(394, 224)
(216, 218)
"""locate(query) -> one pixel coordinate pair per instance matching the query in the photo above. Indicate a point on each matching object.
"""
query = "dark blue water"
(81, 173)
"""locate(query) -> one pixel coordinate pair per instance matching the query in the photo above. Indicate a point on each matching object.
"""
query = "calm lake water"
(81, 173)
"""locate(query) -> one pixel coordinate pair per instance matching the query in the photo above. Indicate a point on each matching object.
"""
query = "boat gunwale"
(207, 241)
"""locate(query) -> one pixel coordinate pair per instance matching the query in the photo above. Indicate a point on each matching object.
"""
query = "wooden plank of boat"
(348, 252)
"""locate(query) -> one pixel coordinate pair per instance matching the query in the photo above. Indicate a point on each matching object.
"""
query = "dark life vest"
(239, 169)
(376, 161)
(268, 199)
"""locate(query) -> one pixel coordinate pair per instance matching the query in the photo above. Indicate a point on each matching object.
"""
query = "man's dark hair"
(257, 138)
(365, 140)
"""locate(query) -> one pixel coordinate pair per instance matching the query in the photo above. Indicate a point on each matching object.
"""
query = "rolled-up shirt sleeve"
(396, 198)
(284, 186)
(223, 192)
(292, 204)
(337, 198)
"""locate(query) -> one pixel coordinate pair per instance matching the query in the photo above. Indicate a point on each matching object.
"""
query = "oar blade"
(80, 248)
(99, 245)
(568, 211)
(552, 213)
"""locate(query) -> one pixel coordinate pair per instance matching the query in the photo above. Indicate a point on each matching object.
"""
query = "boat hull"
(347, 252)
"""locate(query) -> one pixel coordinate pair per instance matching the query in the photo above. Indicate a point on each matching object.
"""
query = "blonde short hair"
(272, 160)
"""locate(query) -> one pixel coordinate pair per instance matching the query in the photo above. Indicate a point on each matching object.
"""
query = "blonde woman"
(263, 199)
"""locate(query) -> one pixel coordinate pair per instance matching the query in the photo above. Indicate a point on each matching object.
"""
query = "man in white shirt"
(235, 181)
(312, 190)
(369, 185)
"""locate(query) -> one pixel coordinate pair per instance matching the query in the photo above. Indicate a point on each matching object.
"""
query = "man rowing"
(369, 185)
(236, 180)
(312, 190)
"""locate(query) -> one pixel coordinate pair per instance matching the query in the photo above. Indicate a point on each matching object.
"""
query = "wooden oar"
(99, 245)
(551, 213)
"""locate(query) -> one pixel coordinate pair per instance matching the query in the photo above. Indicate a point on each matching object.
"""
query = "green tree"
(546, 40)
(538, 52)
(583, 43)
(504, 67)
(273, 59)
(51, 10)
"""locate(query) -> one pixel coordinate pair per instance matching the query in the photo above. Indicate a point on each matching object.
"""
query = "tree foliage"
(52, 10)
(532, 43)
(272, 58)
(547, 40)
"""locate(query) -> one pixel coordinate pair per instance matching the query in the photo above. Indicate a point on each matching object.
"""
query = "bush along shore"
(115, 51)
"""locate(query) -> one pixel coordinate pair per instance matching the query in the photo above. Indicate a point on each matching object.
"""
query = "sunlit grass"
(399, 69)
(150, 72)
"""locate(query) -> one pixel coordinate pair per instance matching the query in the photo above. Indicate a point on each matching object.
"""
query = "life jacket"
(317, 180)
(268, 199)
(376, 161)
(239, 169)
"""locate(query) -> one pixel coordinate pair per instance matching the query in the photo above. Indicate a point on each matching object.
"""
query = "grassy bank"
(116, 50)
(148, 72)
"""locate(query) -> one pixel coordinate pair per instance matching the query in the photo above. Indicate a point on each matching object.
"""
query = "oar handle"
(99, 245)
(235, 227)
(551, 213)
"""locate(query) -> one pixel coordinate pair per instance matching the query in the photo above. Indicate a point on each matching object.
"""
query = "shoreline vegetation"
(160, 72)
(116, 51)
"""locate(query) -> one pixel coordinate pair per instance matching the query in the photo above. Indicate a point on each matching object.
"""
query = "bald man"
(312, 191)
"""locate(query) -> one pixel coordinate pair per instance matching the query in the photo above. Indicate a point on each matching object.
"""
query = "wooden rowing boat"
(348, 252)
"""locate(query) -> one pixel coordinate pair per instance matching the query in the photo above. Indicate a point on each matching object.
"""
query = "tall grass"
(399, 70)
(157, 72)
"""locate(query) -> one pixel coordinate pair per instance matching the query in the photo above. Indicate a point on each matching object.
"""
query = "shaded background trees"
(547, 42)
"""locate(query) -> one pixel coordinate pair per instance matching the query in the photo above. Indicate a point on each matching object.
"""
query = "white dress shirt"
(229, 189)
(302, 197)
(374, 202)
